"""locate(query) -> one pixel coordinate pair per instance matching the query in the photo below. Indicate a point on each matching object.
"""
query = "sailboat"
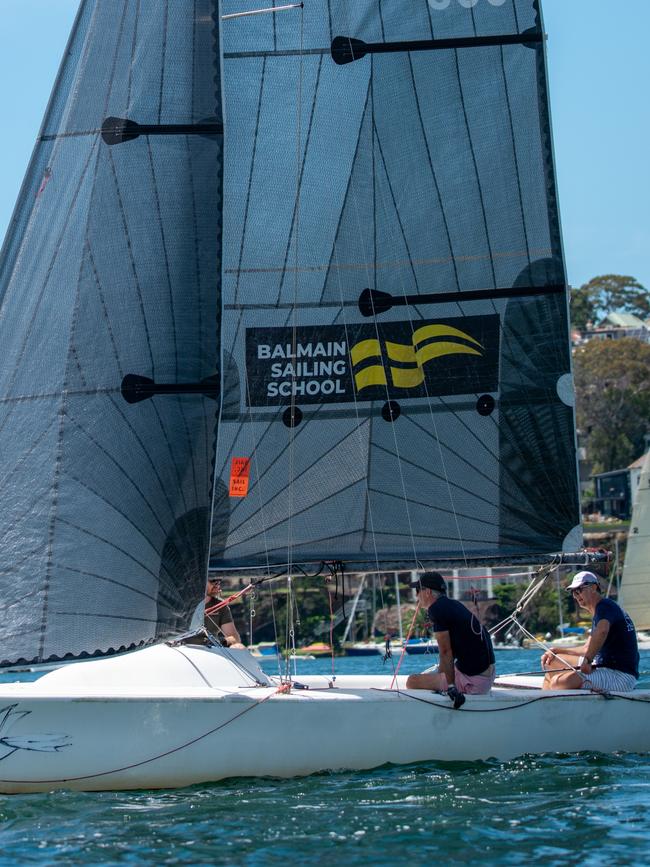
(635, 583)
(283, 292)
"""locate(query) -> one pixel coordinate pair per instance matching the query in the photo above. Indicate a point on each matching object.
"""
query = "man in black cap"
(609, 661)
(466, 654)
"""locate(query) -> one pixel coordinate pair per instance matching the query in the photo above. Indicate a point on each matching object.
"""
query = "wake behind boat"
(283, 293)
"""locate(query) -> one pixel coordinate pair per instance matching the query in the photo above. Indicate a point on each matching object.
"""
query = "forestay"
(396, 362)
(109, 280)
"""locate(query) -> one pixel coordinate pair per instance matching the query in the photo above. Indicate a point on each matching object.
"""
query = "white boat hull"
(59, 733)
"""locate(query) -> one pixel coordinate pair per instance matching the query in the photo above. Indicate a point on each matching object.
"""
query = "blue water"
(584, 809)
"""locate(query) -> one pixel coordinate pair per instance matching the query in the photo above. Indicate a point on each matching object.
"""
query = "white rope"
(261, 11)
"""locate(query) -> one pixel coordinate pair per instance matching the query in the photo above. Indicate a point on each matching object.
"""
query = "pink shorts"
(475, 684)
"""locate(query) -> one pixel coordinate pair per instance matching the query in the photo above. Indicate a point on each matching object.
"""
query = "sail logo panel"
(365, 362)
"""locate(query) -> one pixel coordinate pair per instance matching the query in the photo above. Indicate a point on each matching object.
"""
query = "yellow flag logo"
(415, 355)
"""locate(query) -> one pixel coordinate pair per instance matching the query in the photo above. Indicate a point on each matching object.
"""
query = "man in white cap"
(609, 661)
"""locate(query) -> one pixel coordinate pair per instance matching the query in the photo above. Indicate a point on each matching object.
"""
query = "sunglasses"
(580, 589)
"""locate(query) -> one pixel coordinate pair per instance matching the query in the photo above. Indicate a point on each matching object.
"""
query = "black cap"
(432, 581)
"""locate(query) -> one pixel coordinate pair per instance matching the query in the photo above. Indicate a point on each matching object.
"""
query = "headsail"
(109, 283)
(397, 371)
(635, 586)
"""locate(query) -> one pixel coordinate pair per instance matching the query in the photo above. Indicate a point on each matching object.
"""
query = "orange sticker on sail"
(239, 474)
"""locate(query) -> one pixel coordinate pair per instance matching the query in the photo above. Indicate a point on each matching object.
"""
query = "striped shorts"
(610, 680)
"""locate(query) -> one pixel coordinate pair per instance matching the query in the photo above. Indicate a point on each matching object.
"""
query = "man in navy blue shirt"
(466, 654)
(609, 661)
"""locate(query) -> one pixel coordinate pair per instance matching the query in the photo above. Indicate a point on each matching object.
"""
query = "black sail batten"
(111, 270)
(347, 49)
(414, 312)
(117, 130)
(136, 388)
(373, 302)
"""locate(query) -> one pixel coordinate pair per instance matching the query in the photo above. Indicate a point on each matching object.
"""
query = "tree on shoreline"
(608, 293)
(612, 379)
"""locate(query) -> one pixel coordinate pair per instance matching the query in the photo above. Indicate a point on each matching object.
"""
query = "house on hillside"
(614, 491)
(617, 325)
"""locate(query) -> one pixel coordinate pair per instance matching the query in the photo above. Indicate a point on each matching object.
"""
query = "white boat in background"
(634, 593)
(284, 295)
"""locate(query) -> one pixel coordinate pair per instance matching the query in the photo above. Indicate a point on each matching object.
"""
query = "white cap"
(582, 578)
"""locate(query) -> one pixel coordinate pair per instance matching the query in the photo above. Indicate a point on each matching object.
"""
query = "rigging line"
(250, 181)
(514, 154)
(272, 9)
(433, 171)
(408, 637)
(290, 307)
(393, 200)
(375, 138)
(548, 696)
(300, 165)
(476, 171)
(163, 58)
(254, 451)
(350, 192)
(534, 586)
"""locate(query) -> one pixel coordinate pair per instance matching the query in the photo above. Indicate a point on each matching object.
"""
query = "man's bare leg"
(556, 678)
(433, 682)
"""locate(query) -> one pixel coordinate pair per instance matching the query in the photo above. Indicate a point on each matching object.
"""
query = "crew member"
(466, 656)
(609, 661)
(221, 622)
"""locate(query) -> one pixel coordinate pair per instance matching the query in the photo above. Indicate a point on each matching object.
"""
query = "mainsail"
(109, 293)
(396, 363)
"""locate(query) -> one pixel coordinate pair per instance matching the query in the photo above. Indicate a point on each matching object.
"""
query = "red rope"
(410, 632)
(224, 602)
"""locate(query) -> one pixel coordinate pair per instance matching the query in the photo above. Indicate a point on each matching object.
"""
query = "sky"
(599, 67)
